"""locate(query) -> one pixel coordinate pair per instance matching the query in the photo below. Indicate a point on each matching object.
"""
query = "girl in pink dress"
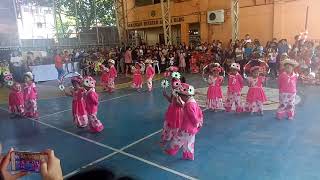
(255, 96)
(112, 76)
(214, 93)
(182, 61)
(150, 72)
(137, 77)
(190, 126)
(91, 99)
(173, 116)
(16, 101)
(104, 77)
(79, 112)
(287, 83)
(30, 96)
(235, 85)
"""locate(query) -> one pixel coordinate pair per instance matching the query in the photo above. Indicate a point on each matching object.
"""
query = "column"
(185, 33)
(204, 28)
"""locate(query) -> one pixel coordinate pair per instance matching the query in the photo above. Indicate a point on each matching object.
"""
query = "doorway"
(161, 39)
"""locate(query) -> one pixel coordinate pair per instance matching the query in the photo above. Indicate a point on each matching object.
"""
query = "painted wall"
(262, 19)
(290, 18)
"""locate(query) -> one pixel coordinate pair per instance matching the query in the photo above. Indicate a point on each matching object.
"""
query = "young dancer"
(235, 85)
(190, 126)
(16, 101)
(104, 77)
(150, 72)
(214, 93)
(112, 76)
(137, 77)
(256, 95)
(91, 99)
(30, 96)
(173, 116)
(287, 90)
(79, 112)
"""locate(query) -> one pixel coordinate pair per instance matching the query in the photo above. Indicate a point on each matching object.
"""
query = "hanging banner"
(153, 23)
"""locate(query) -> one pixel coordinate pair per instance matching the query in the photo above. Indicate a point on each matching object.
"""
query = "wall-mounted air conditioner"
(216, 17)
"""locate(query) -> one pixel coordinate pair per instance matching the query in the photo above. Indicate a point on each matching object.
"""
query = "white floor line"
(117, 97)
(41, 117)
(159, 166)
(140, 140)
(110, 155)
(114, 149)
(90, 164)
(50, 98)
(205, 109)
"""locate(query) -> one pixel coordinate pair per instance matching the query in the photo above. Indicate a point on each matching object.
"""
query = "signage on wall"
(153, 13)
(153, 22)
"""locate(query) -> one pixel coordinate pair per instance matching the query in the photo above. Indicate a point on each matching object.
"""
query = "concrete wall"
(290, 18)
(262, 19)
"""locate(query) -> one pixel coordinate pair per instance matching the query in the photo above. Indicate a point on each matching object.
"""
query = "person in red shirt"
(66, 60)
(59, 65)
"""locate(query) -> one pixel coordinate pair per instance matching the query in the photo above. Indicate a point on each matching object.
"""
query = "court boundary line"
(111, 155)
(140, 140)
(89, 164)
(106, 100)
(63, 96)
(116, 151)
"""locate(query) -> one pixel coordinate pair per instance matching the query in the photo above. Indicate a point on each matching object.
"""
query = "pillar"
(204, 27)
(185, 33)
(277, 19)
(204, 30)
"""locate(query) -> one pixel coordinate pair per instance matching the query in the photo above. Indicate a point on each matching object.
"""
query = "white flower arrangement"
(61, 87)
(191, 90)
(6, 73)
(164, 84)
(10, 83)
(176, 75)
(175, 93)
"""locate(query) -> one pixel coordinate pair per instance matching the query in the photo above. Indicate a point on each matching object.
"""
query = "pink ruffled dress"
(256, 92)
(30, 100)
(256, 95)
(92, 103)
(16, 102)
(137, 79)
(173, 120)
(214, 93)
(79, 112)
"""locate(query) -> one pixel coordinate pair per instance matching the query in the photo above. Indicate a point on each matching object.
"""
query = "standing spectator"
(282, 50)
(188, 57)
(283, 47)
(257, 47)
(274, 44)
(248, 51)
(272, 56)
(17, 66)
(59, 65)
(239, 51)
(66, 60)
(247, 39)
(128, 60)
(162, 62)
(182, 61)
